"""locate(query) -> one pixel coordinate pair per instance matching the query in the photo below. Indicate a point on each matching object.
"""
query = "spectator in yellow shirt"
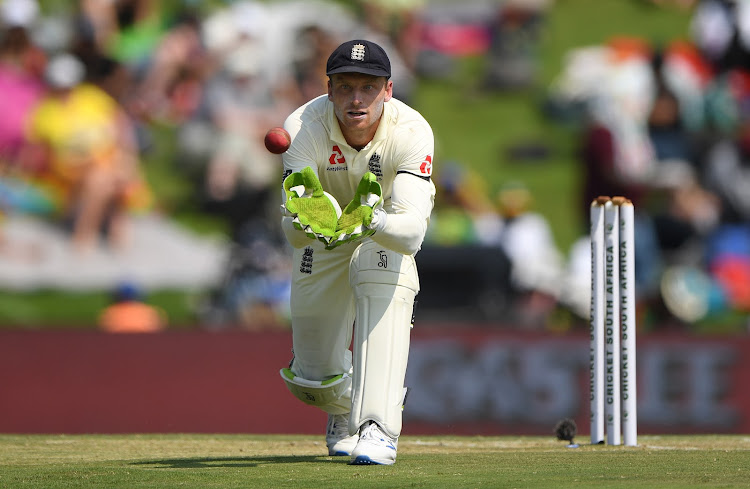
(85, 143)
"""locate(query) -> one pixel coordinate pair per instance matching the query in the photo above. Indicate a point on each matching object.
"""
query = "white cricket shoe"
(374, 446)
(337, 435)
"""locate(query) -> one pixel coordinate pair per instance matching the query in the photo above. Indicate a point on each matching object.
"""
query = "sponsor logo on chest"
(337, 161)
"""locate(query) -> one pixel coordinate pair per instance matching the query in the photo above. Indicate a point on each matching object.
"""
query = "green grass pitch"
(289, 461)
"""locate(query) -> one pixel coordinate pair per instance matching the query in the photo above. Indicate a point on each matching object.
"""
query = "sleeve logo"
(426, 166)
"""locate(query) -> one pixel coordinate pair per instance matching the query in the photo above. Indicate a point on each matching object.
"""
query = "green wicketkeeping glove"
(314, 211)
(356, 217)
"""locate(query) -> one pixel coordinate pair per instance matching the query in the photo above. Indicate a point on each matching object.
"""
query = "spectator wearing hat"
(128, 313)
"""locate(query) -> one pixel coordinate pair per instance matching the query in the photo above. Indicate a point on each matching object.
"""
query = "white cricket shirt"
(400, 155)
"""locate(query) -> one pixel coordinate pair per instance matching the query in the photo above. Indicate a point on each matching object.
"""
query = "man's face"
(358, 99)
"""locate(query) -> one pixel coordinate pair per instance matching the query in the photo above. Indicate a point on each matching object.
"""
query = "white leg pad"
(331, 395)
(385, 284)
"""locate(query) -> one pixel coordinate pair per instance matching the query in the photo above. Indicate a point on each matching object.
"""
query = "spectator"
(254, 294)
(170, 86)
(309, 66)
(128, 313)
(726, 170)
(84, 142)
(399, 21)
(394, 26)
(21, 88)
(126, 30)
(464, 214)
(512, 59)
(240, 176)
(721, 30)
(536, 263)
(639, 142)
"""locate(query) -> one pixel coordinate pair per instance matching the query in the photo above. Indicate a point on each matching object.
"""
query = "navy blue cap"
(359, 56)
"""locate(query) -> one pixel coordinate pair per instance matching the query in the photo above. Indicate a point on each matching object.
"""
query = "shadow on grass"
(218, 462)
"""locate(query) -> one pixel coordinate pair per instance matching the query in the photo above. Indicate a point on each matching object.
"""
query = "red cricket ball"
(277, 140)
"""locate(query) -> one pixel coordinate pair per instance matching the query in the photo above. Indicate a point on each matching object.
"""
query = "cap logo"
(358, 52)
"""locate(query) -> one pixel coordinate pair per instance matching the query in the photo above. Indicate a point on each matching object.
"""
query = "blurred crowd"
(668, 126)
(88, 87)
(664, 125)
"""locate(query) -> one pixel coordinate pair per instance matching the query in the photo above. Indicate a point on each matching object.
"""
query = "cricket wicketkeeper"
(357, 201)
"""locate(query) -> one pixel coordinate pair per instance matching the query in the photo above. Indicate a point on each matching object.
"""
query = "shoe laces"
(372, 431)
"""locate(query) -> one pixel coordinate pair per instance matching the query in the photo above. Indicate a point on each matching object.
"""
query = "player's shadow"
(218, 462)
